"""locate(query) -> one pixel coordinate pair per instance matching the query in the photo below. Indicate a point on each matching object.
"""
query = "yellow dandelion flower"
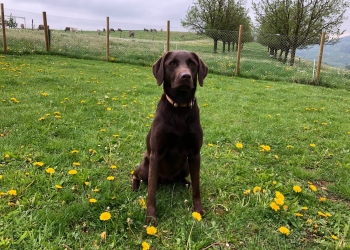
(313, 187)
(239, 145)
(86, 183)
(298, 214)
(297, 189)
(132, 172)
(304, 208)
(274, 182)
(0, 176)
(334, 237)
(279, 195)
(142, 203)
(197, 216)
(285, 207)
(276, 157)
(41, 119)
(96, 190)
(323, 199)
(265, 148)
(13, 192)
(58, 186)
(105, 216)
(145, 246)
(110, 178)
(72, 172)
(103, 235)
(312, 145)
(256, 189)
(50, 170)
(74, 151)
(92, 200)
(103, 130)
(279, 201)
(247, 192)
(113, 167)
(328, 214)
(210, 144)
(76, 164)
(274, 206)
(284, 230)
(109, 109)
(151, 230)
(321, 214)
(38, 163)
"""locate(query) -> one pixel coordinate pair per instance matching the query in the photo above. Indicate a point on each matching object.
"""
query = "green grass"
(104, 112)
(146, 47)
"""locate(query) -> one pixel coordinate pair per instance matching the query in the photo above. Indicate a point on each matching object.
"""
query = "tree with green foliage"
(301, 22)
(214, 17)
(11, 22)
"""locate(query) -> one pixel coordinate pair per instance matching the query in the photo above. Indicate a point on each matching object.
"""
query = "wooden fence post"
(46, 31)
(3, 28)
(168, 37)
(107, 39)
(319, 62)
(239, 49)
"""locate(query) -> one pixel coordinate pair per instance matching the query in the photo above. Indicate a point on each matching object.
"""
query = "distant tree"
(301, 22)
(213, 17)
(11, 22)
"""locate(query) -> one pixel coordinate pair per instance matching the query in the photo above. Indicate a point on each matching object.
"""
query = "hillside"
(337, 55)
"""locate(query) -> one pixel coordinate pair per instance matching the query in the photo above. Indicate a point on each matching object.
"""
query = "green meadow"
(275, 168)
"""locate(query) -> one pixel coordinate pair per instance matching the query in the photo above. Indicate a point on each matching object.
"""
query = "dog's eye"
(172, 63)
(191, 63)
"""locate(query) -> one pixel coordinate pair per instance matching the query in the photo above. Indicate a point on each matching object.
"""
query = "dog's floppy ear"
(158, 69)
(202, 70)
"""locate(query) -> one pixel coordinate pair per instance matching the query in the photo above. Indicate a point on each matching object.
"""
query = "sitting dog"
(176, 136)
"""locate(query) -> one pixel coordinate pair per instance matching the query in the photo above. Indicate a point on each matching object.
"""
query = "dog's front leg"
(194, 164)
(151, 214)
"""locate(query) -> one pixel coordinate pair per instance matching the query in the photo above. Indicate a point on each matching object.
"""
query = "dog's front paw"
(197, 207)
(151, 220)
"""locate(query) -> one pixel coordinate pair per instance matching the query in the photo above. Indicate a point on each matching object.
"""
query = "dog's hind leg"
(140, 173)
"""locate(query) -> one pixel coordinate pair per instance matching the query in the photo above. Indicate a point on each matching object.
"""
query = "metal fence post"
(3, 28)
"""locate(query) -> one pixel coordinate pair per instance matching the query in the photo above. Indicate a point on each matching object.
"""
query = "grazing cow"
(131, 33)
(111, 29)
(104, 30)
(22, 26)
(99, 32)
(183, 35)
(146, 30)
(120, 30)
(41, 27)
(153, 30)
(72, 29)
(67, 29)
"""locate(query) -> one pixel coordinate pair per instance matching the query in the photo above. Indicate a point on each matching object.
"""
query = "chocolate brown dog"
(176, 136)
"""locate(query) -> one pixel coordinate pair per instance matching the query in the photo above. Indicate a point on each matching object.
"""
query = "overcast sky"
(129, 14)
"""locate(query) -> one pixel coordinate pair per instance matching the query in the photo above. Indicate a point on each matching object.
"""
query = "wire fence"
(142, 44)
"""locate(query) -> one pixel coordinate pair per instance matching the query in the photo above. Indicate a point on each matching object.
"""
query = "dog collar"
(184, 105)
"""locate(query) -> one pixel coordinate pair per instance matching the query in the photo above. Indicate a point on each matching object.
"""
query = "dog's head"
(180, 70)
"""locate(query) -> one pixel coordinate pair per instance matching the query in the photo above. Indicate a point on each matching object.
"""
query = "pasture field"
(146, 47)
(275, 171)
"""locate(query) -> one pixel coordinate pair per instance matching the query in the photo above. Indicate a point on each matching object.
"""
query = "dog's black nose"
(185, 76)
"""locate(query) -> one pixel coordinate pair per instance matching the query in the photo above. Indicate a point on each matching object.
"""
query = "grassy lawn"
(275, 170)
